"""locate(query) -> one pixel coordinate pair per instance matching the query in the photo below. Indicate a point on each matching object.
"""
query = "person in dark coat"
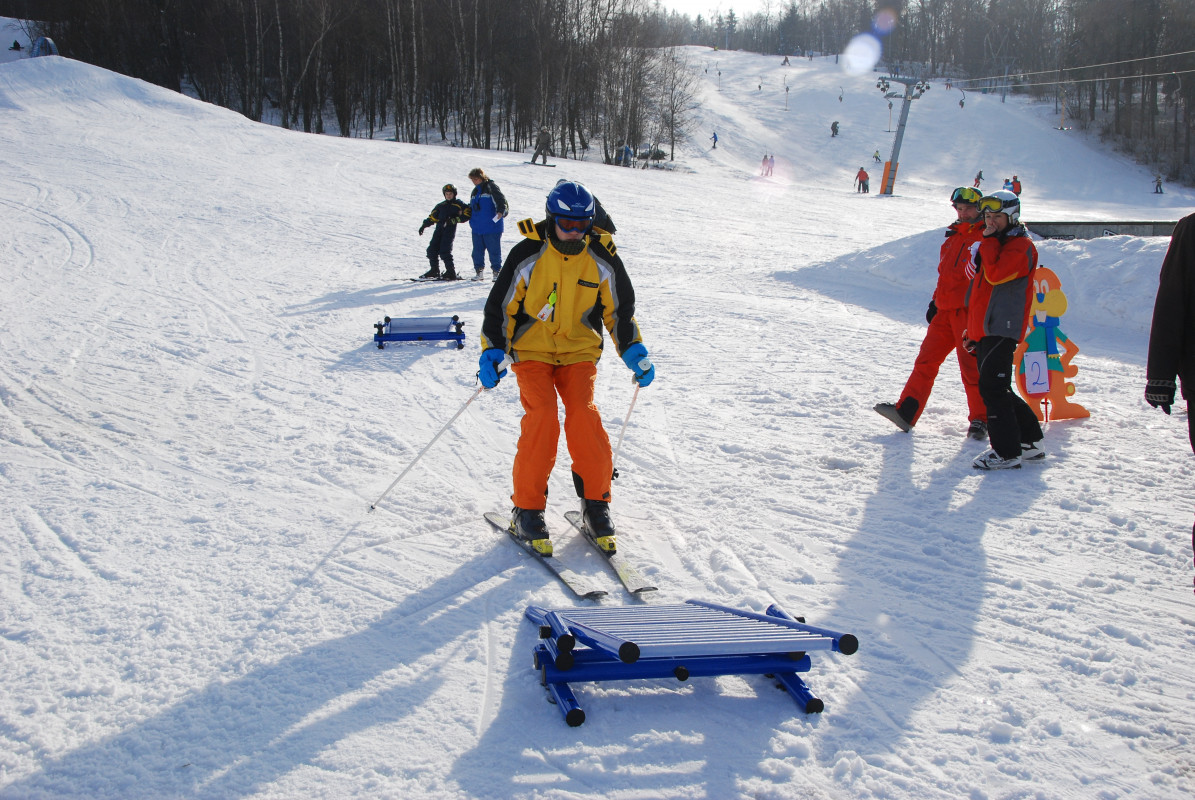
(543, 145)
(444, 217)
(1172, 334)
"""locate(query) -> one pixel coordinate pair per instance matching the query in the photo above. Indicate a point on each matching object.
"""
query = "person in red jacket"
(861, 180)
(947, 318)
(998, 302)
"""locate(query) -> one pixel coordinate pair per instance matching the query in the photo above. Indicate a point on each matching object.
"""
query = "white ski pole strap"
(448, 425)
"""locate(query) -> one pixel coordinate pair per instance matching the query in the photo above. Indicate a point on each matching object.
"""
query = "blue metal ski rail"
(675, 641)
(416, 329)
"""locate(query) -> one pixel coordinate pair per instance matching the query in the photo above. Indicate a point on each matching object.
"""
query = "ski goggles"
(996, 205)
(573, 225)
(965, 194)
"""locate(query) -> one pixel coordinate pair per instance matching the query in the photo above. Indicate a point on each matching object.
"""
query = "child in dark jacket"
(444, 217)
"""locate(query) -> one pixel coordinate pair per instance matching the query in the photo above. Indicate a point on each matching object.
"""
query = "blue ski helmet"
(570, 200)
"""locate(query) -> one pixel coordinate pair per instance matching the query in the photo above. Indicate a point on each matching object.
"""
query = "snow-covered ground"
(194, 601)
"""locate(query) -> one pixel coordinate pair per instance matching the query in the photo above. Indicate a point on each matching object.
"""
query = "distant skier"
(834, 128)
(1016, 185)
(763, 165)
(543, 145)
(876, 156)
(714, 138)
(1007, 185)
(771, 165)
(1158, 185)
(978, 178)
(444, 217)
(861, 180)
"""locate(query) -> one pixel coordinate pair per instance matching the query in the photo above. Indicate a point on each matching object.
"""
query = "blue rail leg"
(801, 693)
(566, 701)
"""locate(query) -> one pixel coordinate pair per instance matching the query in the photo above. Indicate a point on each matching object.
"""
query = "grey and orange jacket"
(1000, 294)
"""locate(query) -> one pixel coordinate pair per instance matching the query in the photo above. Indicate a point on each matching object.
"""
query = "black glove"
(422, 228)
(932, 311)
(1160, 394)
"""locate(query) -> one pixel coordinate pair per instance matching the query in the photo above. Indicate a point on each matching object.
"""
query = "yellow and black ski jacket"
(551, 307)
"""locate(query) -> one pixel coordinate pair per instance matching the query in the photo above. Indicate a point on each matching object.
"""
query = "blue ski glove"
(488, 372)
(637, 361)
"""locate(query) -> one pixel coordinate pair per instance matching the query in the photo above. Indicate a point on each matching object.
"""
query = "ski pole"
(644, 365)
(373, 506)
(618, 449)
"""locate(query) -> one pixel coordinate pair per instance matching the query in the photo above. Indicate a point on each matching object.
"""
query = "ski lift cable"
(1087, 66)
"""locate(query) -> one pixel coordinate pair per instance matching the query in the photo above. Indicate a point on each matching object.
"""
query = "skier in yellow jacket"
(557, 290)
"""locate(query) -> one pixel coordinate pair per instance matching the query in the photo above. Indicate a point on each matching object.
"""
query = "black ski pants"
(441, 245)
(1010, 420)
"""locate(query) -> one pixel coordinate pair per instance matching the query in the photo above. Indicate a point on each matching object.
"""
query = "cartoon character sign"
(1044, 358)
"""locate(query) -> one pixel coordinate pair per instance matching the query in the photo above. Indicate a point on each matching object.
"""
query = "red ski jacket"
(953, 280)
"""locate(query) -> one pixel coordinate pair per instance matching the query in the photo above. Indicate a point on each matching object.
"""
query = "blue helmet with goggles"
(1003, 202)
(570, 200)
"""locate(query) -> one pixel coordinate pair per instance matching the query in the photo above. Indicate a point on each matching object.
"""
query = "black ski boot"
(528, 524)
(449, 275)
(596, 516)
(433, 273)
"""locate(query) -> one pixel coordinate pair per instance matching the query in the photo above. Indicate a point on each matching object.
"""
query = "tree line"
(603, 74)
(476, 73)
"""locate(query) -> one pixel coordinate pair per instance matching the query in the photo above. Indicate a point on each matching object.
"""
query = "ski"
(627, 572)
(436, 280)
(571, 579)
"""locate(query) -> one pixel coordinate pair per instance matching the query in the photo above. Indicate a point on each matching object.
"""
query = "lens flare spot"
(885, 21)
(861, 54)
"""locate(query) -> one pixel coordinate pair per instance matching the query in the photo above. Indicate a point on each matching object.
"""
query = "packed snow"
(196, 602)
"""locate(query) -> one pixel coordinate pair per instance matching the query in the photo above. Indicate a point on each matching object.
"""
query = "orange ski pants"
(588, 444)
(945, 333)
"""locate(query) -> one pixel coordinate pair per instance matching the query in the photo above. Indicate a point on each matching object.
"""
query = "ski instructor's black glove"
(1160, 394)
(931, 312)
(422, 228)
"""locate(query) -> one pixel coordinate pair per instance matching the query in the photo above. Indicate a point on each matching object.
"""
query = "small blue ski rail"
(420, 329)
(694, 639)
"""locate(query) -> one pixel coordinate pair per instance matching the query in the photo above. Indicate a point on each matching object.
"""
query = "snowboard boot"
(990, 460)
(596, 516)
(900, 417)
(1031, 451)
(528, 524)
(978, 430)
